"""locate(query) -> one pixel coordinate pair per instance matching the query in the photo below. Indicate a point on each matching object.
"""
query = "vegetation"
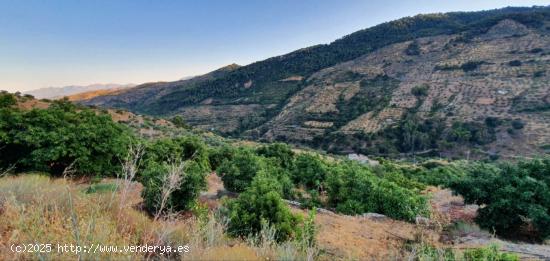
(178, 166)
(261, 205)
(60, 137)
(353, 189)
(516, 198)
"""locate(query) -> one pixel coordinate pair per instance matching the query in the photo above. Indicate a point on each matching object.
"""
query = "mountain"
(454, 84)
(59, 92)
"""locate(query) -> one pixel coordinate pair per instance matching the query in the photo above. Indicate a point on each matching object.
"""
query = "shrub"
(471, 66)
(238, 172)
(488, 253)
(260, 205)
(309, 170)
(216, 155)
(413, 48)
(279, 151)
(172, 185)
(420, 90)
(515, 63)
(186, 159)
(518, 124)
(7, 100)
(60, 136)
(353, 189)
(515, 197)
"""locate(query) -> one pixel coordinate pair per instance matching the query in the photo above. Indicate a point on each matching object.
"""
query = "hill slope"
(453, 69)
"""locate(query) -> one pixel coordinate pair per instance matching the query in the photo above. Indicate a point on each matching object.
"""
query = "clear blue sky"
(65, 42)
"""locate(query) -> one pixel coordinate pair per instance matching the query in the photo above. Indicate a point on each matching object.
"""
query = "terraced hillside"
(457, 83)
(498, 76)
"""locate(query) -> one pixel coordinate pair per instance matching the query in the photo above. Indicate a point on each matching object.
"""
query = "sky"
(77, 42)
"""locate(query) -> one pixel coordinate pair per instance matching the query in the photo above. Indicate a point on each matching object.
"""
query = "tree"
(238, 172)
(183, 159)
(259, 205)
(353, 189)
(280, 151)
(60, 136)
(514, 197)
(309, 170)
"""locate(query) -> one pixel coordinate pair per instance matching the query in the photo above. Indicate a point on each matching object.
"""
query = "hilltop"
(473, 83)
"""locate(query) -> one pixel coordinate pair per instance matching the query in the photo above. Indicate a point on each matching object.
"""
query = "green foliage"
(229, 87)
(7, 100)
(514, 196)
(515, 63)
(281, 152)
(237, 173)
(490, 253)
(63, 135)
(261, 204)
(178, 121)
(518, 124)
(413, 48)
(217, 155)
(163, 157)
(353, 189)
(309, 170)
(420, 90)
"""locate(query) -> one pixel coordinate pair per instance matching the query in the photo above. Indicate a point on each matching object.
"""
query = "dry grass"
(37, 209)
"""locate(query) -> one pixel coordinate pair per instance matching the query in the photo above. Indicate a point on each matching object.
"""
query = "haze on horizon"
(67, 42)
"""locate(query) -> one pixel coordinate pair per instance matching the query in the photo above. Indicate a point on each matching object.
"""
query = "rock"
(375, 216)
(422, 221)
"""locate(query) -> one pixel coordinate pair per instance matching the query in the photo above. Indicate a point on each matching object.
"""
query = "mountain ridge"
(59, 92)
(247, 101)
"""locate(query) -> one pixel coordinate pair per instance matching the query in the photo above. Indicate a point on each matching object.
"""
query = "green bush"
(353, 189)
(420, 90)
(309, 170)
(279, 151)
(60, 136)
(259, 205)
(216, 155)
(513, 197)
(160, 158)
(237, 173)
(490, 253)
(7, 100)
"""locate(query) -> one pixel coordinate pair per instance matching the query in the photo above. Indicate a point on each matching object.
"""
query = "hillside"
(59, 92)
(152, 182)
(472, 83)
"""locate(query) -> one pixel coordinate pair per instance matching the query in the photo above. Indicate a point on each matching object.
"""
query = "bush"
(185, 157)
(353, 189)
(260, 205)
(420, 90)
(488, 253)
(237, 173)
(518, 124)
(515, 63)
(309, 170)
(7, 100)
(516, 198)
(216, 155)
(413, 48)
(60, 136)
(182, 188)
(279, 151)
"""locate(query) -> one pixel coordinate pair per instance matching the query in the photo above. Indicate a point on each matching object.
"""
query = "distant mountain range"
(455, 84)
(59, 92)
